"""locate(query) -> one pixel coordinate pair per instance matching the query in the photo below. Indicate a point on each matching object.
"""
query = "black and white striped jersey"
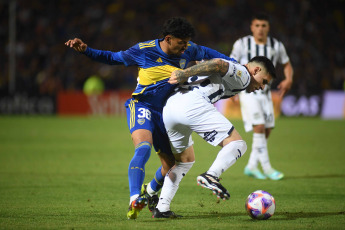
(216, 87)
(246, 48)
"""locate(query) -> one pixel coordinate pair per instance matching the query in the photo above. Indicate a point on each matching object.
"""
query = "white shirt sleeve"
(237, 76)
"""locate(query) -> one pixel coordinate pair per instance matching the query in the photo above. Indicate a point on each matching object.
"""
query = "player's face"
(177, 46)
(259, 79)
(260, 29)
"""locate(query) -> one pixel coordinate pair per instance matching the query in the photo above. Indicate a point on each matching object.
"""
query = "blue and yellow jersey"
(155, 66)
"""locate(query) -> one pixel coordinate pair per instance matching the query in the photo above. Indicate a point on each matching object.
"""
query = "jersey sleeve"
(237, 76)
(236, 49)
(129, 57)
(203, 52)
(283, 57)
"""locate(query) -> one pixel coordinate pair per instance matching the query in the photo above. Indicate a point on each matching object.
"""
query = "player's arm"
(286, 84)
(211, 53)
(107, 57)
(205, 68)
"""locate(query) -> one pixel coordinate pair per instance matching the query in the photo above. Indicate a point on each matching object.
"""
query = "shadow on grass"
(314, 176)
(279, 216)
(298, 215)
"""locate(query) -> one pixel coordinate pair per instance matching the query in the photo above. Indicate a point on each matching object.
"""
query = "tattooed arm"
(202, 69)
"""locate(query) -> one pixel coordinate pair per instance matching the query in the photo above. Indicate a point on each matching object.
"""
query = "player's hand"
(284, 86)
(76, 44)
(176, 77)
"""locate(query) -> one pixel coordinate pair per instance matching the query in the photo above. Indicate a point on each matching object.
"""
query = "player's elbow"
(217, 65)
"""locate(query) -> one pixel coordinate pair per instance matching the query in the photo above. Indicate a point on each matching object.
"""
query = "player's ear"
(168, 39)
(257, 69)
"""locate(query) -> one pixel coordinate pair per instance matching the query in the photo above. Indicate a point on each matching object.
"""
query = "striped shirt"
(245, 48)
(216, 87)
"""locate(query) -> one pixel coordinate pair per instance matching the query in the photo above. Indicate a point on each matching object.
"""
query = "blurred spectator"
(313, 34)
(93, 85)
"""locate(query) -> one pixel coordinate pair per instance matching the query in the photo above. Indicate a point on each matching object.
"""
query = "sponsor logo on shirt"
(210, 136)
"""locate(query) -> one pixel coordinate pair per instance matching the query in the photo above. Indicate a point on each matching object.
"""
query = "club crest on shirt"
(141, 121)
(239, 73)
(182, 63)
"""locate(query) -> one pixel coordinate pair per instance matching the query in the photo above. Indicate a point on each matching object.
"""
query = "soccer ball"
(260, 205)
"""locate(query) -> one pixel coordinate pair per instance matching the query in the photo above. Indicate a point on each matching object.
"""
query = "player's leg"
(184, 162)
(233, 147)
(265, 131)
(254, 120)
(216, 129)
(259, 148)
(162, 146)
(181, 145)
(139, 123)
(269, 171)
(150, 190)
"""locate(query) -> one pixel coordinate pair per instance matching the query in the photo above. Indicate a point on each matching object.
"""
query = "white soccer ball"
(260, 205)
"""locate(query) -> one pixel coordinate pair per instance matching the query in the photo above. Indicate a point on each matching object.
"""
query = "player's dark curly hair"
(178, 27)
(267, 63)
(261, 16)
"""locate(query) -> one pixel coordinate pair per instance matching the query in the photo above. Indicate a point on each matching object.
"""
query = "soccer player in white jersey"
(191, 108)
(257, 107)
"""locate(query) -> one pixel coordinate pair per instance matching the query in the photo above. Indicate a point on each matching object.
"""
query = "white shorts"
(188, 111)
(257, 109)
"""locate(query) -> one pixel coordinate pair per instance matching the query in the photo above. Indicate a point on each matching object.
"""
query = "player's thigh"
(175, 116)
(176, 109)
(139, 121)
(211, 125)
(160, 137)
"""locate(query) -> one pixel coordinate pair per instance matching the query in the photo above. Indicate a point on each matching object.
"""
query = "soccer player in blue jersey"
(156, 60)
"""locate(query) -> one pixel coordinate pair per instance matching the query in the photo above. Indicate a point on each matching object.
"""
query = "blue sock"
(136, 169)
(157, 181)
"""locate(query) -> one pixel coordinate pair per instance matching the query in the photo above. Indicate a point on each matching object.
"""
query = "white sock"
(171, 184)
(150, 191)
(227, 156)
(260, 145)
(257, 144)
(132, 198)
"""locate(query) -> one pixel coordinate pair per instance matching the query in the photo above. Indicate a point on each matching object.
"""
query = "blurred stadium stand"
(313, 33)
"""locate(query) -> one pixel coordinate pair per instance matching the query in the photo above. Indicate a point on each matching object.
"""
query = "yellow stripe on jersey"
(153, 74)
(146, 45)
(140, 91)
(132, 117)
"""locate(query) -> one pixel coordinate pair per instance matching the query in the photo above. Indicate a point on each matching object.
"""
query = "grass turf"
(71, 173)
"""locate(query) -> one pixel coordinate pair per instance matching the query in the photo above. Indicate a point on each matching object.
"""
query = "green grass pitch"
(71, 173)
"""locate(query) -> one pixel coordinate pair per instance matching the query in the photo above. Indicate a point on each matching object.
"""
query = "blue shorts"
(141, 116)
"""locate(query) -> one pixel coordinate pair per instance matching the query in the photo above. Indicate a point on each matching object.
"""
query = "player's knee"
(259, 128)
(241, 146)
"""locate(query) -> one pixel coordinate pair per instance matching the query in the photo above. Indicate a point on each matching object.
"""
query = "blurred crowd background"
(313, 33)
